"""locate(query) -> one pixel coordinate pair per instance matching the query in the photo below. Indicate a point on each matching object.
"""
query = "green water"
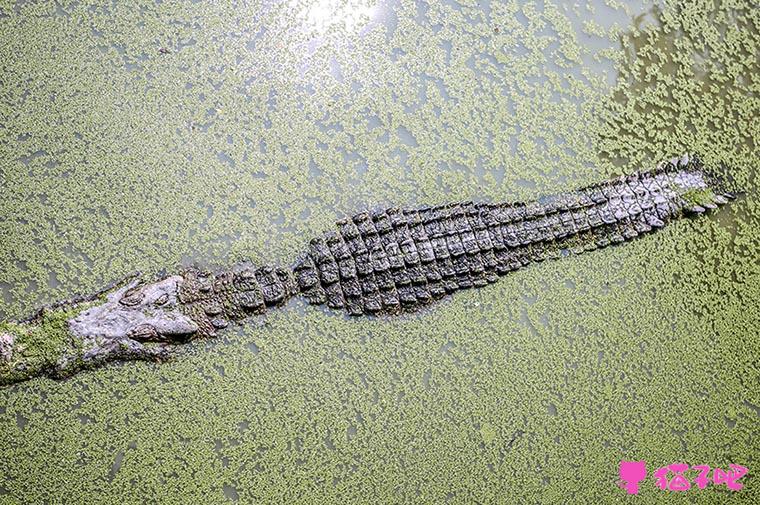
(258, 125)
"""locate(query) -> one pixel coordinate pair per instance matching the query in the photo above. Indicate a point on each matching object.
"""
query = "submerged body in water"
(385, 262)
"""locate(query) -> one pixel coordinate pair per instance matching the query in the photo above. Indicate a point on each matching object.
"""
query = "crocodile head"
(137, 312)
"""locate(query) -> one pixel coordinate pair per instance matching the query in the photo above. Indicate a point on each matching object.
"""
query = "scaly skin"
(386, 262)
(402, 259)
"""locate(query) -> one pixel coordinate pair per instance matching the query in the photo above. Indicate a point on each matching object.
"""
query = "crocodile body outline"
(374, 263)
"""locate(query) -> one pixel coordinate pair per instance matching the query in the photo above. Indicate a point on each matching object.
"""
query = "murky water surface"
(153, 136)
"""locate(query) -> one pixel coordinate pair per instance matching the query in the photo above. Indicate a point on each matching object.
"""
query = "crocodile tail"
(628, 206)
(398, 260)
(717, 177)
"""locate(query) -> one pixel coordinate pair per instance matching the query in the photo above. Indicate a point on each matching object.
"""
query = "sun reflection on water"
(321, 15)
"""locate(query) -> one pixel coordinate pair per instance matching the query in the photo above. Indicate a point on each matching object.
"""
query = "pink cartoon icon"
(632, 472)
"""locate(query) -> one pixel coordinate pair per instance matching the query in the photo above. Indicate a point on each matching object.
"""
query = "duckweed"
(698, 196)
(39, 345)
(177, 133)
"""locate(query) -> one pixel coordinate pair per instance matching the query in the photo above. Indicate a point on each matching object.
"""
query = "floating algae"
(385, 262)
(646, 351)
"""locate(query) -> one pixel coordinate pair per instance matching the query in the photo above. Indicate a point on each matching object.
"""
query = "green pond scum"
(151, 135)
(41, 344)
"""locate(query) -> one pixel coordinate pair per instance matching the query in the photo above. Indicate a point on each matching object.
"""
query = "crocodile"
(384, 262)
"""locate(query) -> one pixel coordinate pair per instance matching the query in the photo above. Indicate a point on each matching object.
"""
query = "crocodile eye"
(132, 297)
(161, 300)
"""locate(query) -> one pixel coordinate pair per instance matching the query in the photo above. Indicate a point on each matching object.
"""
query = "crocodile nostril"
(131, 298)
